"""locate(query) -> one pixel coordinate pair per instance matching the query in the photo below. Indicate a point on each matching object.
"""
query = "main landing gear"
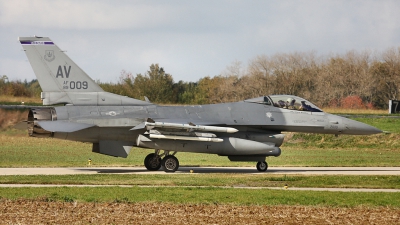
(154, 161)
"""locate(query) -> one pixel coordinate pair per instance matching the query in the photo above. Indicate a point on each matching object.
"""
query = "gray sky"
(191, 39)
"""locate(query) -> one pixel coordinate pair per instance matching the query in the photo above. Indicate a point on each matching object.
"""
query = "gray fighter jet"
(250, 130)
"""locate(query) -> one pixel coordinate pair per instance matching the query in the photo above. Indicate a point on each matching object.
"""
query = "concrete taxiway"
(205, 170)
(200, 170)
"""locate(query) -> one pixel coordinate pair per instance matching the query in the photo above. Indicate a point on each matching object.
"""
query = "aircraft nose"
(358, 128)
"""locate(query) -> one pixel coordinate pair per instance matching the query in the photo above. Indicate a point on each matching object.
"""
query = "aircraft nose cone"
(355, 127)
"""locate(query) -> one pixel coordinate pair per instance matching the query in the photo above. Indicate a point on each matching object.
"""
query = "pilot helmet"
(289, 100)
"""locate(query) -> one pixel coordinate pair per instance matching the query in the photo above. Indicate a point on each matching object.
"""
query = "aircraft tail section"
(64, 82)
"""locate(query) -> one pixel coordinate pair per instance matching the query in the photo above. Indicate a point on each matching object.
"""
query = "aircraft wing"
(63, 126)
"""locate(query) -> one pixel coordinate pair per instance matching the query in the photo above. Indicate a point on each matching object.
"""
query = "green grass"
(19, 150)
(217, 179)
(209, 195)
(386, 124)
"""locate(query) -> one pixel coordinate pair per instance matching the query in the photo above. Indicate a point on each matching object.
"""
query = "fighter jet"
(249, 130)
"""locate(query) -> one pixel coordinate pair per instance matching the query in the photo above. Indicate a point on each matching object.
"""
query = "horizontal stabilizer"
(63, 126)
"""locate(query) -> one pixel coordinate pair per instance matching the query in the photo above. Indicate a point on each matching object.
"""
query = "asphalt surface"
(205, 170)
(200, 170)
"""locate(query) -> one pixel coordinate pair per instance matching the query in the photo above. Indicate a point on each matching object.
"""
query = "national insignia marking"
(112, 113)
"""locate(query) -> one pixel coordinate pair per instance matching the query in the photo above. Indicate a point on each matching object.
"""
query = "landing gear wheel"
(262, 166)
(152, 162)
(170, 163)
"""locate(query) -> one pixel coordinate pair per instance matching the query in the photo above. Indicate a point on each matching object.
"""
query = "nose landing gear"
(262, 166)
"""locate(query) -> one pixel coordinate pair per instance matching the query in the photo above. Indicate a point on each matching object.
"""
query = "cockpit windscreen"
(293, 103)
(290, 102)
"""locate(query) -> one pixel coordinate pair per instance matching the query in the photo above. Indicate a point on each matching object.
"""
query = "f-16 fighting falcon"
(249, 130)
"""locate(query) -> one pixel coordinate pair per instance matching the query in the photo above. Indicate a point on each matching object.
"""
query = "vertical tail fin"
(55, 71)
(64, 82)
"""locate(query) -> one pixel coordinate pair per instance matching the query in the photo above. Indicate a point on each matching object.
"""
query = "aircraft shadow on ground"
(179, 171)
(205, 170)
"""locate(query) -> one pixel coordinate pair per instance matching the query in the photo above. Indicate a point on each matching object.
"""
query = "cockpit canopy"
(290, 102)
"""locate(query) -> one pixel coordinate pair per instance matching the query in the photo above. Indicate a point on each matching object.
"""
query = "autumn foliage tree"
(354, 79)
(19, 88)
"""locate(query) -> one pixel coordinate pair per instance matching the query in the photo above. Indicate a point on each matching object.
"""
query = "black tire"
(262, 166)
(152, 162)
(170, 163)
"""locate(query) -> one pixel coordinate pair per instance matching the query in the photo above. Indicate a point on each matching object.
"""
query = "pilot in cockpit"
(290, 103)
(281, 104)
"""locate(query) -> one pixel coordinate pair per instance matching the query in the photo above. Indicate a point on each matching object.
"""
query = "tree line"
(19, 88)
(353, 79)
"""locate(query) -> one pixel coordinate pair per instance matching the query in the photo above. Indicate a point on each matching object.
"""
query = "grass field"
(208, 195)
(214, 180)
(12, 100)
(356, 111)
(301, 150)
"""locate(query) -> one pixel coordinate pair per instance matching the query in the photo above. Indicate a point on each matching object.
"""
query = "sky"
(191, 39)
